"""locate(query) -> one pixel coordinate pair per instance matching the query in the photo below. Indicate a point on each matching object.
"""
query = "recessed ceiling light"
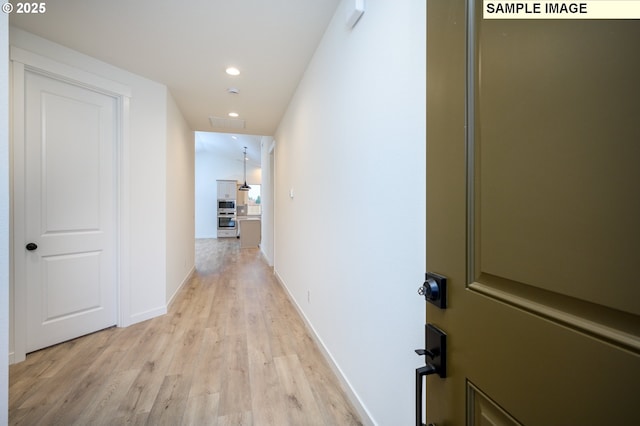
(233, 71)
(234, 137)
(233, 114)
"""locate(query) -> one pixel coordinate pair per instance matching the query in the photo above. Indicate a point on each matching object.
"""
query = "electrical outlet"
(308, 296)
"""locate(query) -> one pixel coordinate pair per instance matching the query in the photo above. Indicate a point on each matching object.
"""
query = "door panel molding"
(470, 139)
(582, 303)
(482, 410)
(23, 61)
(609, 325)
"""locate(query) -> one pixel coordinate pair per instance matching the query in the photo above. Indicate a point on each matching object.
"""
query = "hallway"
(232, 350)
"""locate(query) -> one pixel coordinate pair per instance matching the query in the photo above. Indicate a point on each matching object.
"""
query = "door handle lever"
(420, 373)
(436, 350)
(431, 354)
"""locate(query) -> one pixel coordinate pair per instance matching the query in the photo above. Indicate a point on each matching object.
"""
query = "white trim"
(147, 315)
(353, 397)
(21, 61)
(123, 219)
(18, 319)
(265, 257)
(182, 284)
(272, 183)
(68, 73)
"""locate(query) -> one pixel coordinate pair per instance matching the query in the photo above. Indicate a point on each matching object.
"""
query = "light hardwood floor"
(231, 351)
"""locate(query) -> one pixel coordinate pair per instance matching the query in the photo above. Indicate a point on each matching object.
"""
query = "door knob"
(31, 246)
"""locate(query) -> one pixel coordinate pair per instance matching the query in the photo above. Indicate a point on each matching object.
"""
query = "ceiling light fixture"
(245, 187)
(232, 71)
(233, 114)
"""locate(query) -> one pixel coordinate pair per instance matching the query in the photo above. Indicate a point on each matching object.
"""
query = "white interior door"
(69, 212)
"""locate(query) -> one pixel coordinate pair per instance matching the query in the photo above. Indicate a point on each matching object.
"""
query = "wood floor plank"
(202, 410)
(330, 398)
(186, 352)
(236, 419)
(268, 396)
(301, 405)
(235, 395)
(104, 405)
(208, 371)
(67, 410)
(170, 404)
(144, 390)
(139, 419)
(231, 350)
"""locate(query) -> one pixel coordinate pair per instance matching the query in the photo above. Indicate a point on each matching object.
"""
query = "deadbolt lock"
(434, 289)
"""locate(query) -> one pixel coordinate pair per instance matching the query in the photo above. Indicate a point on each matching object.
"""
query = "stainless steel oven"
(226, 206)
(227, 225)
(227, 222)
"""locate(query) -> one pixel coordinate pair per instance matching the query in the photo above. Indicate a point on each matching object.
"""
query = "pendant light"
(245, 187)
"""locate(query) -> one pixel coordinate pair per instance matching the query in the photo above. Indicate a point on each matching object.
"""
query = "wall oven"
(227, 225)
(227, 222)
(226, 206)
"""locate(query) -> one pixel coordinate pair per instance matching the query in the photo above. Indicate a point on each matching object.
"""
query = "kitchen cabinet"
(250, 231)
(242, 197)
(227, 189)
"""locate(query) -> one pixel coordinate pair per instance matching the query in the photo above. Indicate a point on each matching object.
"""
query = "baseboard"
(346, 386)
(184, 281)
(152, 313)
(146, 315)
(266, 259)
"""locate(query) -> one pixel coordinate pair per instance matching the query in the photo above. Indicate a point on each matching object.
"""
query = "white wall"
(146, 171)
(350, 245)
(4, 218)
(211, 166)
(266, 193)
(180, 199)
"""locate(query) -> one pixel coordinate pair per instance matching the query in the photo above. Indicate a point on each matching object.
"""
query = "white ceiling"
(230, 146)
(187, 46)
